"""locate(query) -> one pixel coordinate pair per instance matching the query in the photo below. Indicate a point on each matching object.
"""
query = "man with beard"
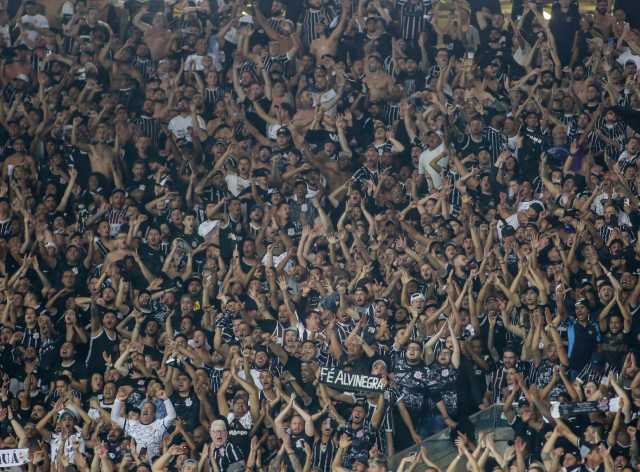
(379, 83)
(556, 358)
(603, 20)
(301, 425)
(361, 431)
(495, 48)
(241, 418)
(583, 335)
(147, 122)
(142, 61)
(580, 82)
(188, 115)
(157, 36)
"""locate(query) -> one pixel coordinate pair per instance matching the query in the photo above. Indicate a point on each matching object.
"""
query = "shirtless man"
(604, 22)
(579, 80)
(101, 155)
(157, 36)
(379, 83)
(20, 66)
(121, 63)
(324, 45)
(122, 249)
(337, 172)
(19, 159)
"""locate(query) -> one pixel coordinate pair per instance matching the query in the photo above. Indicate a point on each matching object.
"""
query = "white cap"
(23, 77)
(51, 244)
(416, 296)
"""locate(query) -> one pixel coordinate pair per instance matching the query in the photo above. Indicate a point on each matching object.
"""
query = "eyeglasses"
(218, 433)
(413, 349)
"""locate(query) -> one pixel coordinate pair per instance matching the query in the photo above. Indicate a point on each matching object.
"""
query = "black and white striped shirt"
(5, 227)
(391, 113)
(149, 128)
(624, 161)
(322, 455)
(211, 96)
(413, 17)
(275, 24)
(498, 142)
(310, 19)
(283, 60)
(144, 67)
(616, 132)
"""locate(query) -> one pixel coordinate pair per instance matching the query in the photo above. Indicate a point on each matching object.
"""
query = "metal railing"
(441, 449)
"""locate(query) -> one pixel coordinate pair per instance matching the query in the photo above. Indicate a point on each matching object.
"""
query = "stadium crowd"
(211, 211)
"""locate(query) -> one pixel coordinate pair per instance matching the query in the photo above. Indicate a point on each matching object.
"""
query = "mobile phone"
(626, 202)
(127, 451)
(470, 55)
(413, 454)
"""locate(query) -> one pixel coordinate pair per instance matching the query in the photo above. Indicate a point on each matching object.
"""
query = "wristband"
(332, 332)
(459, 456)
(291, 453)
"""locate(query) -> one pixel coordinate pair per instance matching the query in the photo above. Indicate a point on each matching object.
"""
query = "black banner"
(350, 381)
(576, 408)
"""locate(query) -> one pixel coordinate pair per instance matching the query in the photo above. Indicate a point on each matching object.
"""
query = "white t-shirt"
(179, 126)
(524, 206)
(207, 226)
(325, 97)
(236, 183)
(425, 159)
(198, 60)
(56, 439)
(6, 32)
(38, 21)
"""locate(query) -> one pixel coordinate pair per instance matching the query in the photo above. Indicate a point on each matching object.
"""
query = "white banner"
(11, 457)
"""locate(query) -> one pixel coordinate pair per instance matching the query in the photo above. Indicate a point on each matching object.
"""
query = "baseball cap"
(597, 361)
(22, 77)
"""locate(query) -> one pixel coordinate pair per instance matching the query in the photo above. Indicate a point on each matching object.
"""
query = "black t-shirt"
(187, 408)
(253, 116)
(152, 258)
(469, 146)
(77, 368)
